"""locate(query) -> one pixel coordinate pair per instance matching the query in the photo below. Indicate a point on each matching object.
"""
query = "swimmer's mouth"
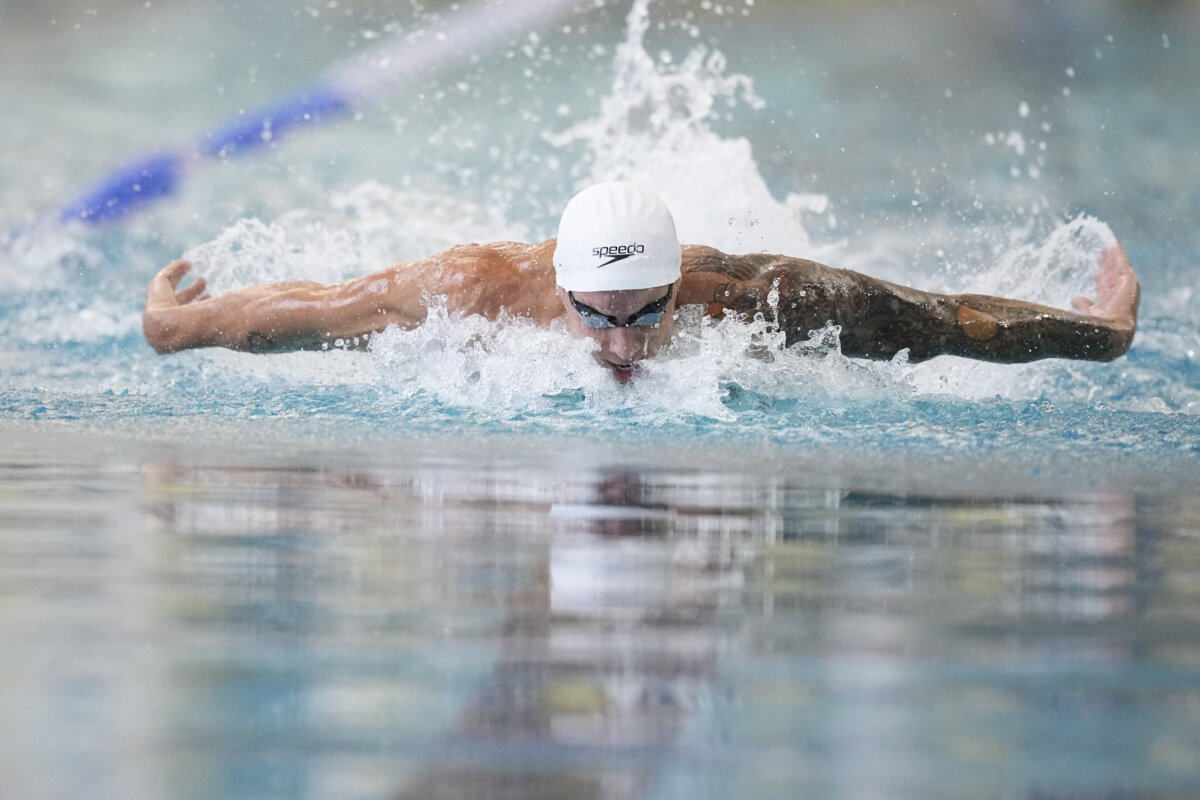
(622, 372)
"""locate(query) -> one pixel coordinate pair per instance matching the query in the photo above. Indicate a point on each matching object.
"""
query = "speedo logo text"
(617, 252)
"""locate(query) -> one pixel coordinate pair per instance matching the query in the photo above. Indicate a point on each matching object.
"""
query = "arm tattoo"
(262, 343)
(734, 283)
(737, 268)
(257, 342)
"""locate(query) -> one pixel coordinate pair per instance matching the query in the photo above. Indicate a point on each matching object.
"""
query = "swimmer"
(617, 273)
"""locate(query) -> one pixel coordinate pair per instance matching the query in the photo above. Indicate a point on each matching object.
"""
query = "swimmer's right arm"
(278, 317)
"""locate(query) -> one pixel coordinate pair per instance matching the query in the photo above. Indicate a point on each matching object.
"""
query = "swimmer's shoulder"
(709, 272)
(522, 256)
(701, 260)
(494, 278)
(499, 258)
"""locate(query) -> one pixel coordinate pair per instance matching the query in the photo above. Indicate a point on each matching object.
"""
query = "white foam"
(498, 368)
(505, 369)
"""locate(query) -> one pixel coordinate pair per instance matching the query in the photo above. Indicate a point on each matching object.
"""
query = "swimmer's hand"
(161, 316)
(1117, 296)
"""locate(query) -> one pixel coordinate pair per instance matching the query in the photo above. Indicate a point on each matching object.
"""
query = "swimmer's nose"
(625, 345)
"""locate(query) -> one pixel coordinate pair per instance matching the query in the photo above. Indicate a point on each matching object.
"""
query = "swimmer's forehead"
(623, 301)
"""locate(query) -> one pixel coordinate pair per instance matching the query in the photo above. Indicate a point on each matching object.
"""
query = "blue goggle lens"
(597, 321)
(648, 317)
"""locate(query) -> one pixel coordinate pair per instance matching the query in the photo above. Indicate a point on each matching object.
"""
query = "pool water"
(274, 618)
(468, 564)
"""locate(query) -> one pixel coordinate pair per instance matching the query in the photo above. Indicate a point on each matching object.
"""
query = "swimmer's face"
(628, 325)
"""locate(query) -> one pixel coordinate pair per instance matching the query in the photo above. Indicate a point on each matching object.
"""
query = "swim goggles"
(647, 317)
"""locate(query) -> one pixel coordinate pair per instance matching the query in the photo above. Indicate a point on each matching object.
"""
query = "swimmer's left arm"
(1014, 331)
(1003, 330)
(879, 319)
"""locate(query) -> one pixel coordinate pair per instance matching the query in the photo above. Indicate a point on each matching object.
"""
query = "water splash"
(363, 230)
(655, 127)
(44, 256)
(1055, 270)
(512, 369)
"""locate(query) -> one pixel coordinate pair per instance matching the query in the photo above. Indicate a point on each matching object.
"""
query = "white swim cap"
(616, 236)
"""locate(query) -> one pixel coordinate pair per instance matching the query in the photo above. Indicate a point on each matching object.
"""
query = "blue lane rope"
(142, 182)
(470, 31)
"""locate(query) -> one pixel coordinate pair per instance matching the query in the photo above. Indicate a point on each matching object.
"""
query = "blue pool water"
(467, 564)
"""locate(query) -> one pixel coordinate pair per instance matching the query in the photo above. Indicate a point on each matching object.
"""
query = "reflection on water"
(316, 625)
